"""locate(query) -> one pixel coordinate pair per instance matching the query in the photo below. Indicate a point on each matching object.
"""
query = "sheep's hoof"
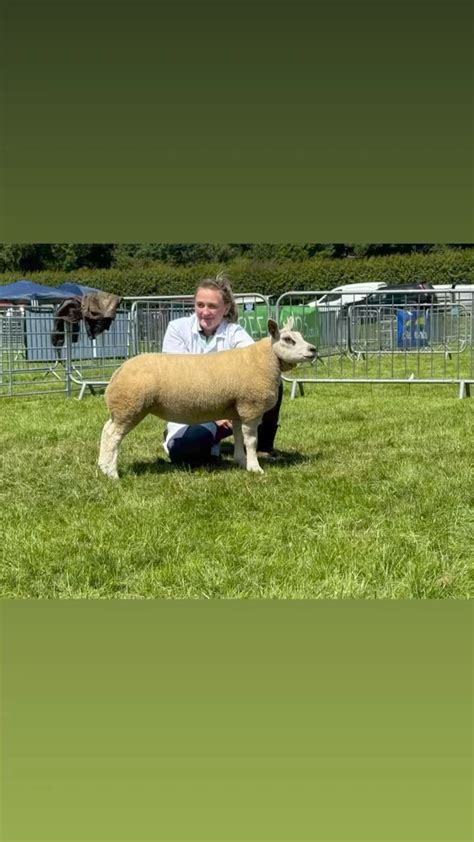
(108, 473)
(242, 463)
(256, 469)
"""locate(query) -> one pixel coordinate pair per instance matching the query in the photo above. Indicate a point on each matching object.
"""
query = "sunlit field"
(371, 498)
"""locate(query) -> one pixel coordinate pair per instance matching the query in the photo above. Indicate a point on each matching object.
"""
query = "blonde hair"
(221, 284)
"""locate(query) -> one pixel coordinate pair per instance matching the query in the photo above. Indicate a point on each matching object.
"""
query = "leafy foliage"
(69, 257)
(37, 257)
(251, 273)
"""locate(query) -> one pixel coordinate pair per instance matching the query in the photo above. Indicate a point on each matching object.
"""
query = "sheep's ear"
(273, 329)
(289, 323)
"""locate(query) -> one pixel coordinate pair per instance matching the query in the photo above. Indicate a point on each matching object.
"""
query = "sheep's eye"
(289, 340)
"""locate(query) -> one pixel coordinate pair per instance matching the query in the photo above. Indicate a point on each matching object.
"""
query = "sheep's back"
(192, 388)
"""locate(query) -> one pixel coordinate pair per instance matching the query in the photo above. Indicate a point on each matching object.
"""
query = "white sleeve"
(240, 337)
(173, 342)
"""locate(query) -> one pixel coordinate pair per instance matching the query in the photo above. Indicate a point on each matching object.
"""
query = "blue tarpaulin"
(28, 291)
(77, 289)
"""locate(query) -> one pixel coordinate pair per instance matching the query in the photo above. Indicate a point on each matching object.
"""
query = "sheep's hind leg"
(239, 452)
(112, 435)
(249, 430)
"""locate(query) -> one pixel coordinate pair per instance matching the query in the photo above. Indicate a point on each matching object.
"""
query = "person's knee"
(192, 447)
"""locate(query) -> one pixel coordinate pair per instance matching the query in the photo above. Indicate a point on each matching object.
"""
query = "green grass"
(373, 500)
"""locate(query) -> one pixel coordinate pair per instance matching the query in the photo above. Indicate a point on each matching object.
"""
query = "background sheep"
(240, 385)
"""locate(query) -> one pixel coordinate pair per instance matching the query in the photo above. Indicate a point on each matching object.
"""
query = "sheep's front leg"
(249, 430)
(239, 452)
(110, 440)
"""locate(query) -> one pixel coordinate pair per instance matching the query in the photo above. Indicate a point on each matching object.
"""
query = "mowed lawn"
(373, 499)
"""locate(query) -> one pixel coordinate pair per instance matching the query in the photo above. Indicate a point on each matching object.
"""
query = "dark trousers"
(194, 447)
(267, 430)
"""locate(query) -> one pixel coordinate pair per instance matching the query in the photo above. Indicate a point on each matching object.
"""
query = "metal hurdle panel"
(91, 362)
(387, 330)
(373, 342)
(141, 328)
(151, 315)
(366, 342)
(300, 306)
(148, 319)
(254, 312)
(29, 364)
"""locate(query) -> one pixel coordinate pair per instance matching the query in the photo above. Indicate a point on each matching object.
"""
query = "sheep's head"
(289, 345)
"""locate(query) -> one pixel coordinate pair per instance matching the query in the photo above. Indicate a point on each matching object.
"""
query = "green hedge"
(269, 277)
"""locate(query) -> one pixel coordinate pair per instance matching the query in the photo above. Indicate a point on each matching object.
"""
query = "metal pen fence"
(151, 315)
(384, 337)
(37, 359)
(374, 340)
(29, 363)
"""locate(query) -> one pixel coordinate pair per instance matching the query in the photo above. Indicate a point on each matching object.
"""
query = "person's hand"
(224, 429)
(225, 424)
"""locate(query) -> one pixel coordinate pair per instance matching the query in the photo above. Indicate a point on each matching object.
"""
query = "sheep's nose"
(312, 349)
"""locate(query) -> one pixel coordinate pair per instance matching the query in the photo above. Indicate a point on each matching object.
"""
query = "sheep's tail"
(114, 374)
(109, 386)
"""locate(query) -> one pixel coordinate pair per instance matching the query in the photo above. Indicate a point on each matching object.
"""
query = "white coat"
(183, 336)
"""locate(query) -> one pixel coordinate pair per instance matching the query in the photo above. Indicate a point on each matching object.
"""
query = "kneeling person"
(213, 327)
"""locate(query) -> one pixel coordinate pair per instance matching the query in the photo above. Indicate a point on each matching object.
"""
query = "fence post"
(68, 336)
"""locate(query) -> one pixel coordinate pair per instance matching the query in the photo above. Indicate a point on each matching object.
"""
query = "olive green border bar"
(243, 720)
(262, 121)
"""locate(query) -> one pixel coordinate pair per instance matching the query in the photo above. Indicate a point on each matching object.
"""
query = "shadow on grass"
(224, 463)
(282, 458)
(162, 466)
(289, 458)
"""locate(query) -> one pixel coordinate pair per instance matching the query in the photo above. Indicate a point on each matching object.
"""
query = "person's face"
(210, 309)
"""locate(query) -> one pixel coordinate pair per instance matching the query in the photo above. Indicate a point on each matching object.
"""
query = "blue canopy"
(28, 291)
(77, 289)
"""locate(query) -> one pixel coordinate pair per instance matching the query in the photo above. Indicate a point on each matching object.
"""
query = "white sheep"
(239, 385)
